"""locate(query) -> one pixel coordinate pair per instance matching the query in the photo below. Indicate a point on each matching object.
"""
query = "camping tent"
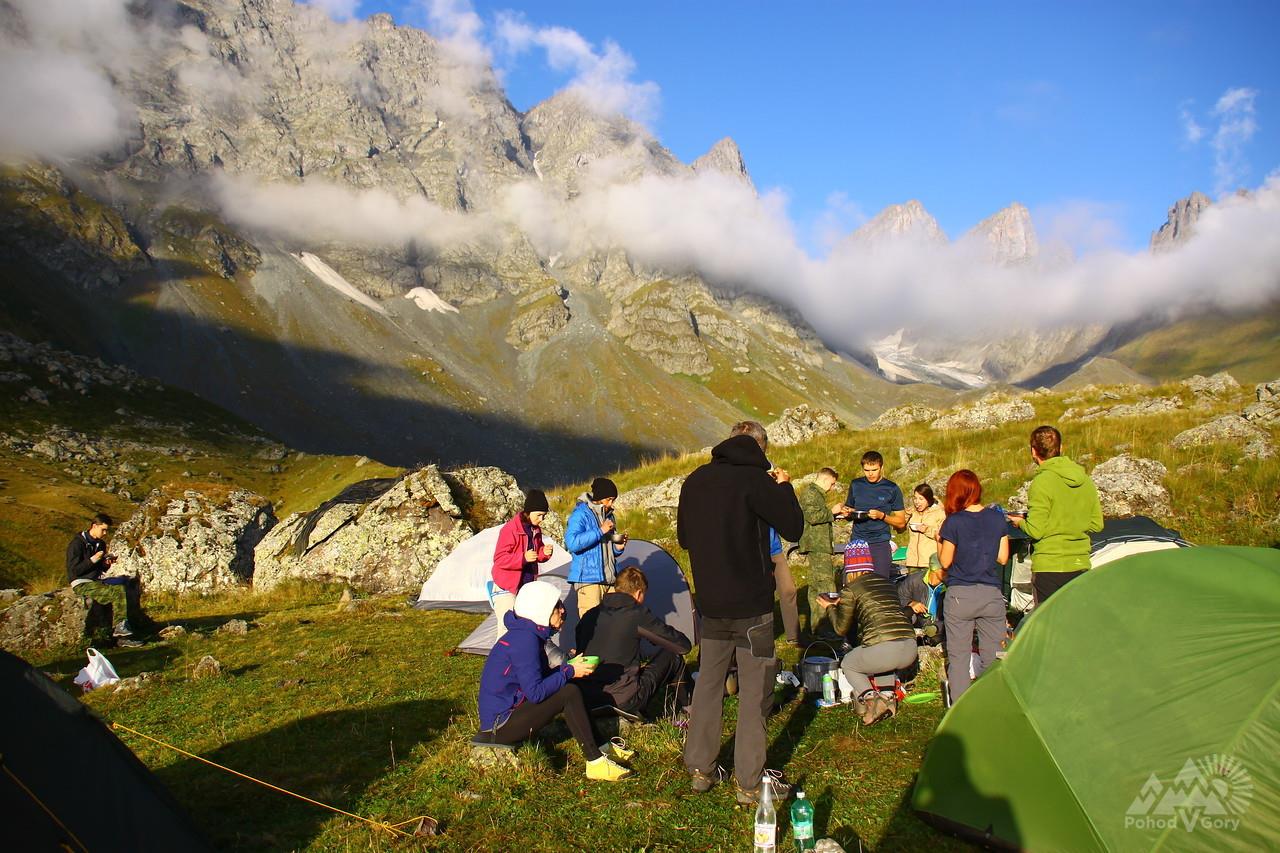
(1122, 537)
(1141, 699)
(67, 782)
(462, 576)
(458, 582)
(1119, 537)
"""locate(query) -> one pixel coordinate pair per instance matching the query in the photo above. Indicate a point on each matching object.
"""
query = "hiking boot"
(617, 748)
(751, 796)
(122, 629)
(604, 770)
(878, 708)
(127, 643)
(701, 782)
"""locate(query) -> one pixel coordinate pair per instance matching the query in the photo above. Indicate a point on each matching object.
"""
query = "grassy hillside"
(1248, 347)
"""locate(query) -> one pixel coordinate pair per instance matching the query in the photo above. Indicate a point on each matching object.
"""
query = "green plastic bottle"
(802, 823)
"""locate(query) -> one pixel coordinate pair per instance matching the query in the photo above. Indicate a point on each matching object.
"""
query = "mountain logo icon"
(1210, 792)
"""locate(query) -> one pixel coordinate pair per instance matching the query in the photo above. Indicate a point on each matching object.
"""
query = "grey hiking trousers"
(980, 607)
(864, 662)
(750, 642)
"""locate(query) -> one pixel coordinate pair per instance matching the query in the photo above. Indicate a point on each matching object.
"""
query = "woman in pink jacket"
(519, 551)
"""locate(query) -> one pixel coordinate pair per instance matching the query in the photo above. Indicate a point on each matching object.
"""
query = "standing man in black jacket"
(612, 631)
(726, 509)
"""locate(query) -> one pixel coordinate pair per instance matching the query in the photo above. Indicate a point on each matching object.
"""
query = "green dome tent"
(1139, 709)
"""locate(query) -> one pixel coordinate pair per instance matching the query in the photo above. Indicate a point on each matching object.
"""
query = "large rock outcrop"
(379, 536)
(900, 416)
(193, 541)
(985, 415)
(1181, 223)
(47, 622)
(801, 423)
(1266, 411)
(1129, 485)
(1228, 429)
(660, 496)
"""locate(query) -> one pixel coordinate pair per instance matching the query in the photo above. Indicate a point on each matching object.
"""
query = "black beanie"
(536, 501)
(603, 487)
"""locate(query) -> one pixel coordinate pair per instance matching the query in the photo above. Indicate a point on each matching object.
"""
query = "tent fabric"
(79, 771)
(668, 598)
(458, 582)
(1141, 698)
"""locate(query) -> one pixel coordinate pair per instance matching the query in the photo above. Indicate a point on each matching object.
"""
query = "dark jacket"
(869, 612)
(726, 509)
(517, 671)
(79, 564)
(614, 631)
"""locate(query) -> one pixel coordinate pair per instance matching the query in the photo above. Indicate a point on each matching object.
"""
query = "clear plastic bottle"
(766, 827)
(828, 689)
(802, 823)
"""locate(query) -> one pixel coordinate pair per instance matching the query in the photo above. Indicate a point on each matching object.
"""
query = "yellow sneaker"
(617, 748)
(604, 770)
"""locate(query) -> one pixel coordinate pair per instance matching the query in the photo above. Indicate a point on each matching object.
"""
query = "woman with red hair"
(972, 544)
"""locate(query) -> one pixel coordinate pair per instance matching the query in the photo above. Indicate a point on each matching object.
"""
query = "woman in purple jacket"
(520, 692)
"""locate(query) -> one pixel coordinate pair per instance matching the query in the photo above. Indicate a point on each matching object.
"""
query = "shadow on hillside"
(331, 757)
(314, 399)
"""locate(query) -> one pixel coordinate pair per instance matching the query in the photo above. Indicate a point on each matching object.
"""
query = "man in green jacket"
(815, 541)
(1062, 510)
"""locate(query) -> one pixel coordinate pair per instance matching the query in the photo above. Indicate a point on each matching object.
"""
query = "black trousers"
(1045, 584)
(665, 667)
(528, 718)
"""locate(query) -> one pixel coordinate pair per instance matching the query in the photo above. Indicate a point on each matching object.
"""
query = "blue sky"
(1097, 116)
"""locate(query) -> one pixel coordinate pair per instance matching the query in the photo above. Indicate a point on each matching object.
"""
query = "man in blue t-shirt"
(876, 506)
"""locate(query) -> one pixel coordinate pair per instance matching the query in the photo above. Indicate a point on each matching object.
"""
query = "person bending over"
(613, 631)
(868, 614)
(520, 692)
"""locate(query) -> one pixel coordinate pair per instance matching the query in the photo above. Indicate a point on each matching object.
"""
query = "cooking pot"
(812, 667)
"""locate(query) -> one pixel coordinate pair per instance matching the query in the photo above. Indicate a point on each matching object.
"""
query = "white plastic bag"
(98, 673)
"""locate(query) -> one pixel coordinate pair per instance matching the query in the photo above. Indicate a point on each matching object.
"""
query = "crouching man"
(613, 631)
(867, 612)
(87, 565)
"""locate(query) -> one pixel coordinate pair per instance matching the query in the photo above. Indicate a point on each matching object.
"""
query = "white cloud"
(317, 211)
(1192, 130)
(1082, 226)
(601, 77)
(1237, 124)
(839, 217)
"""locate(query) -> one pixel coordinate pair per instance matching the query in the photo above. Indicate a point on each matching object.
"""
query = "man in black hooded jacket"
(726, 509)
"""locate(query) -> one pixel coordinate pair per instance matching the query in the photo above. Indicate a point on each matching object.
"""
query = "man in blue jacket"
(594, 543)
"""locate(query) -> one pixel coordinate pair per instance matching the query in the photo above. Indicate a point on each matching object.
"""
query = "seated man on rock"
(613, 631)
(867, 612)
(87, 565)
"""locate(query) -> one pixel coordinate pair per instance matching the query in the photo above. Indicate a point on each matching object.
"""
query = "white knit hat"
(536, 600)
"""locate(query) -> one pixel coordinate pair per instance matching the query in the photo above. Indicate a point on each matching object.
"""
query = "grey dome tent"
(68, 783)
(458, 584)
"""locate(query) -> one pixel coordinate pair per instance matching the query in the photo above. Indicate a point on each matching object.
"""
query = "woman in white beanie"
(520, 692)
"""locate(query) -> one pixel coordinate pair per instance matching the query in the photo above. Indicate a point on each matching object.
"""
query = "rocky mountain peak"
(725, 157)
(1008, 236)
(909, 220)
(1181, 222)
(567, 136)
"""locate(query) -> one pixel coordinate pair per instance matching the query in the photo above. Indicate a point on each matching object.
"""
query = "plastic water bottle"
(828, 689)
(802, 823)
(766, 832)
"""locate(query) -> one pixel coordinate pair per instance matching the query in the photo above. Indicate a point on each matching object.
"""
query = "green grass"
(362, 709)
(1248, 347)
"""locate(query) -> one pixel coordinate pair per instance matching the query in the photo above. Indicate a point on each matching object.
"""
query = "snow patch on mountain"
(898, 361)
(426, 299)
(334, 279)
